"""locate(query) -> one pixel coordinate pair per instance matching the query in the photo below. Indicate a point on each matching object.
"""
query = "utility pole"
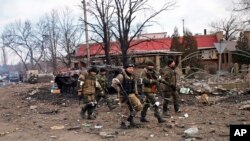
(86, 31)
(183, 26)
(4, 52)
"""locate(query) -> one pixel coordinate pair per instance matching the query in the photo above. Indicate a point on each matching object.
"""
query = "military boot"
(165, 112)
(144, 112)
(161, 120)
(91, 117)
(177, 108)
(111, 107)
(158, 116)
(132, 124)
(123, 125)
(143, 119)
(82, 112)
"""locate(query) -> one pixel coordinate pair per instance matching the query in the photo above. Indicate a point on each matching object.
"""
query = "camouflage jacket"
(87, 84)
(102, 79)
(149, 80)
(168, 78)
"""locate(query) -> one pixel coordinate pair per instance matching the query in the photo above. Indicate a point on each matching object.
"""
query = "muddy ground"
(29, 112)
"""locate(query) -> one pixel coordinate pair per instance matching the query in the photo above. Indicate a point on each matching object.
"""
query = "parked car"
(14, 76)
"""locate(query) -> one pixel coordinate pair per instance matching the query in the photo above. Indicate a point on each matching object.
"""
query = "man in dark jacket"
(169, 87)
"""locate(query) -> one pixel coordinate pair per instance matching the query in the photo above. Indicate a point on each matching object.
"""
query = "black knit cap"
(150, 63)
(93, 69)
(103, 70)
(170, 61)
(127, 65)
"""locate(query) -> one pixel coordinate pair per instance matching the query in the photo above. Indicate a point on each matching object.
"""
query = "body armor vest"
(128, 83)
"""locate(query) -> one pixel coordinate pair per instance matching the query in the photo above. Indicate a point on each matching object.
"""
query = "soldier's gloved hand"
(173, 87)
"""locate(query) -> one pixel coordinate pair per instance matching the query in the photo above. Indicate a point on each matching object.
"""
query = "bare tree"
(242, 5)
(127, 12)
(9, 41)
(242, 8)
(70, 35)
(20, 38)
(101, 13)
(51, 34)
(230, 26)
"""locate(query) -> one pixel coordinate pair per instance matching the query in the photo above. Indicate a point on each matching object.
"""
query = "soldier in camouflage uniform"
(149, 78)
(169, 87)
(126, 86)
(87, 86)
(102, 79)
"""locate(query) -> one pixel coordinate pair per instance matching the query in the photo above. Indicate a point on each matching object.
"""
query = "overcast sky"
(197, 14)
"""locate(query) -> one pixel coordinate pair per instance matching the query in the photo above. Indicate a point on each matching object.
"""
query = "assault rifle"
(126, 98)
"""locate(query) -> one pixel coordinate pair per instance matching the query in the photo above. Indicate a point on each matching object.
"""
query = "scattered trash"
(59, 127)
(33, 107)
(74, 128)
(108, 134)
(152, 135)
(190, 139)
(245, 107)
(202, 99)
(184, 90)
(180, 125)
(86, 125)
(186, 115)
(34, 92)
(53, 137)
(191, 131)
(98, 126)
(54, 89)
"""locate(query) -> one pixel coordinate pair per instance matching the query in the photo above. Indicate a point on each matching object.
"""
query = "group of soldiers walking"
(92, 87)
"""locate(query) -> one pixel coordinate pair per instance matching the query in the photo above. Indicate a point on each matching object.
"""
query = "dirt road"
(31, 113)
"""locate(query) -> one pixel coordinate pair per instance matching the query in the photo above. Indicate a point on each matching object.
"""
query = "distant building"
(155, 46)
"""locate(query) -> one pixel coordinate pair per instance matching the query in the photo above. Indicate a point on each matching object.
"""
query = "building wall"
(247, 34)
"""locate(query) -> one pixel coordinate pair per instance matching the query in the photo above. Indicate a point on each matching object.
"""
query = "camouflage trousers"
(106, 98)
(150, 99)
(167, 98)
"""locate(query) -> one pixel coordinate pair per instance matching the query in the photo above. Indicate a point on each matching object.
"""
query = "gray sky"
(197, 14)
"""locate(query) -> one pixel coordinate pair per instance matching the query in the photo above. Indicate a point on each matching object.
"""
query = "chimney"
(205, 31)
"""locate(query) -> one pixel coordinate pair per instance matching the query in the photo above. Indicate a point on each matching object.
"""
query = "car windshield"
(13, 74)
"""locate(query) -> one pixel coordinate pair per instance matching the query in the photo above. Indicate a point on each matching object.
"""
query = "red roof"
(203, 42)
